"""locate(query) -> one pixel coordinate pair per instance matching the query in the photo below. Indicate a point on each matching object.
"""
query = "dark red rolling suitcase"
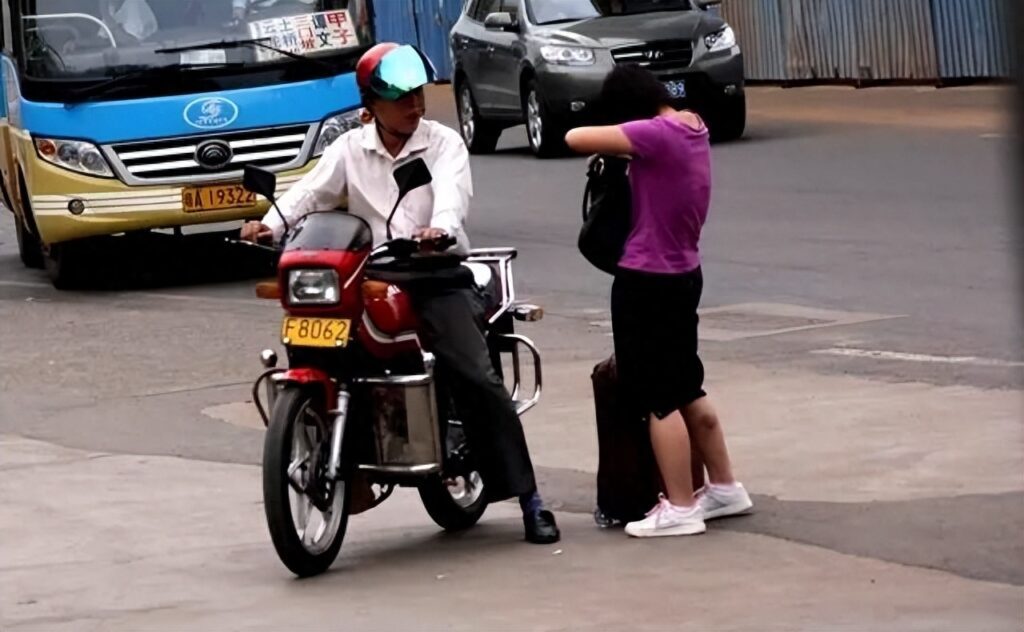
(628, 482)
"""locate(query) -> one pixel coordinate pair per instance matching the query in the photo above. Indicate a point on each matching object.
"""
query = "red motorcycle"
(360, 409)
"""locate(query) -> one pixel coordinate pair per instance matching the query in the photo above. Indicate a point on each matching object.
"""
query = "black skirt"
(654, 322)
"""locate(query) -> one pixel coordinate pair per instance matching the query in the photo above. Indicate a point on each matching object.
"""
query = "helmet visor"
(400, 72)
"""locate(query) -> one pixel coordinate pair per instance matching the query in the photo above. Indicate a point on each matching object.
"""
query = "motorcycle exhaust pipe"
(337, 435)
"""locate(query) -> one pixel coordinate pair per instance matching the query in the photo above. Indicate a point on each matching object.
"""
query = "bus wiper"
(258, 43)
(82, 95)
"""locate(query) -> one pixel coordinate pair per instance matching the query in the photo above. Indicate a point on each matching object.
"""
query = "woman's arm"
(608, 139)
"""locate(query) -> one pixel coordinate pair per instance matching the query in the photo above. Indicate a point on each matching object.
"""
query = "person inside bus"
(241, 9)
(360, 165)
(129, 19)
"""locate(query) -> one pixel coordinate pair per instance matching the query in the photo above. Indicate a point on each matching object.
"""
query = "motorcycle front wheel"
(307, 514)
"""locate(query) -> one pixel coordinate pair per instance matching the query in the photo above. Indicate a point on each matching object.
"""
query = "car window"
(554, 11)
(512, 7)
(485, 8)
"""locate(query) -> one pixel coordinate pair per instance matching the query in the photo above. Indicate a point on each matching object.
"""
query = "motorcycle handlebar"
(407, 247)
(395, 248)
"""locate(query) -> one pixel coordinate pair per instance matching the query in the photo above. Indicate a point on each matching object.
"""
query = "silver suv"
(542, 62)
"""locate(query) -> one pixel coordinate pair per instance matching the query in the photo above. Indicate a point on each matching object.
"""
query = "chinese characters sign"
(305, 34)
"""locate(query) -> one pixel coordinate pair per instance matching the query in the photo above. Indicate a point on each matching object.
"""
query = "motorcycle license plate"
(315, 332)
(676, 88)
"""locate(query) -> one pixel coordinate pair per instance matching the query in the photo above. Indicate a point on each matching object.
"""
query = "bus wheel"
(65, 265)
(29, 248)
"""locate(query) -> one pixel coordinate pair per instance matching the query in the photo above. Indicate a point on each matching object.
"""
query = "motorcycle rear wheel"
(458, 506)
(295, 452)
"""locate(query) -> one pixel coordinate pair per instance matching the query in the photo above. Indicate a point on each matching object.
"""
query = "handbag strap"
(594, 170)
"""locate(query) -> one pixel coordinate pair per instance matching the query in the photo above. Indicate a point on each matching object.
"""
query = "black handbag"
(607, 212)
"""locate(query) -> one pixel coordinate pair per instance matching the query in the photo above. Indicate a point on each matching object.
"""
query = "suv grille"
(177, 157)
(661, 58)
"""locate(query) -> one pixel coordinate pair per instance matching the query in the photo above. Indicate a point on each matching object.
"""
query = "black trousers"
(453, 324)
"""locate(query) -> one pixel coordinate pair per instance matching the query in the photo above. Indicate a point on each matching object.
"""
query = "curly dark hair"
(632, 93)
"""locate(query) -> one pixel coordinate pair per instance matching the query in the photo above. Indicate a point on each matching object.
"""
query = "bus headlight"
(74, 155)
(333, 127)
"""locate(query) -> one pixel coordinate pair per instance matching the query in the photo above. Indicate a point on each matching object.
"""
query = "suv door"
(471, 47)
(507, 50)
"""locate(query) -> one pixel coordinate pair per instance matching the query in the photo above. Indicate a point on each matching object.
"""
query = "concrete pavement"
(157, 543)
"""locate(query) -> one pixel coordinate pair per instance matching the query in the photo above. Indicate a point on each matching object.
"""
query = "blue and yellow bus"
(132, 115)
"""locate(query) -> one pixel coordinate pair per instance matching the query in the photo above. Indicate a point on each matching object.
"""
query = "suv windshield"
(101, 39)
(554, 11)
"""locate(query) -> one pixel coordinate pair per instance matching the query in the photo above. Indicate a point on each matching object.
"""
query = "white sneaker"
(667, 519)
(719, 501)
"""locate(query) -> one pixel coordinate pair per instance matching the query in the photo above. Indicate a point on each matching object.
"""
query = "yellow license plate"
(216, 197)
(315, 332)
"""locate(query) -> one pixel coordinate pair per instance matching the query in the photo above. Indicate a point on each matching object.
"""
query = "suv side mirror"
(501, 22)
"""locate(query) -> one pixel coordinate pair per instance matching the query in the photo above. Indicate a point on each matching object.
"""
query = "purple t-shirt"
(670, 175)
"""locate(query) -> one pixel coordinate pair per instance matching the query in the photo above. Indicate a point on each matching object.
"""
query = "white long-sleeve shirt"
(358, 166)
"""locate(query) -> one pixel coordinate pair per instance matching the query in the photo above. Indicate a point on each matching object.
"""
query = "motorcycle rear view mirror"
(409, 177)
(263, 182)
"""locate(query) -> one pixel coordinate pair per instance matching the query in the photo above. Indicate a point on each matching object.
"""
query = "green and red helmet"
(390, 71)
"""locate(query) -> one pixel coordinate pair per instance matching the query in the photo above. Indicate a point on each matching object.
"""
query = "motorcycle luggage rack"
(511, 344)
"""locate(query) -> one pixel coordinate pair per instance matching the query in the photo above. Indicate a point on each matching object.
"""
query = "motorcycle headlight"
(333, 127)
(720, 40)
(74, 155)
(313, 287)
(567, 55)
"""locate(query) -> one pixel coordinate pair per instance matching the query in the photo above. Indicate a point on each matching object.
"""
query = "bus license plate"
(216, 198)
(315, 332)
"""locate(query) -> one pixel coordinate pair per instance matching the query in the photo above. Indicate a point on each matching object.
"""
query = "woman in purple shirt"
(656, 293)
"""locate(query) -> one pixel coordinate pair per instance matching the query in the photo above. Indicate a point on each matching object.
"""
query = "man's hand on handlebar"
(434, 239)
(257, 232)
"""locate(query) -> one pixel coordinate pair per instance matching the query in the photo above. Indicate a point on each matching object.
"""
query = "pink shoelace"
(661, 506)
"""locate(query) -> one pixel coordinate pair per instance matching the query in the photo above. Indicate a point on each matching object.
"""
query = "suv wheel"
(730, 121)
(481, 137)
(547, 139)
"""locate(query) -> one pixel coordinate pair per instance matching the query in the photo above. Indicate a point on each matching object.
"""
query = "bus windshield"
(96, 40)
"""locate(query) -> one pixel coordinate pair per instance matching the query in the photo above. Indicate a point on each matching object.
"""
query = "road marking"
(128, 295)
(730, 323)
(25, 284)
(917, 357)
(988, 136)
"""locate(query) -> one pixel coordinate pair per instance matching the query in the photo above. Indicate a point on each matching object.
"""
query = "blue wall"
(425, 23)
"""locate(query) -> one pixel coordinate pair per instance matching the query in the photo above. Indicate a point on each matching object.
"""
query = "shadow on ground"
(975, 536)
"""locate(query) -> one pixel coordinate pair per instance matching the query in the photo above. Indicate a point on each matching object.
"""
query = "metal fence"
(858, 41)
(872, 40)
(972, 38)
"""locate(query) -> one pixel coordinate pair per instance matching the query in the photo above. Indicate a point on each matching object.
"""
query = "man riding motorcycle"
(359, 167)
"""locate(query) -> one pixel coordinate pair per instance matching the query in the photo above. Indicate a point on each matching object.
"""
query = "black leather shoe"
(541, 528)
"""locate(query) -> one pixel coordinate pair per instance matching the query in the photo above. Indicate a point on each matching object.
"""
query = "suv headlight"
(335, 126)
(567, 55)
(313, 287)
(74, 155)
(720, 40)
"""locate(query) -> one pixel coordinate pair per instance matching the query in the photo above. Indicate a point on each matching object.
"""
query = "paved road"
(862, 337)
